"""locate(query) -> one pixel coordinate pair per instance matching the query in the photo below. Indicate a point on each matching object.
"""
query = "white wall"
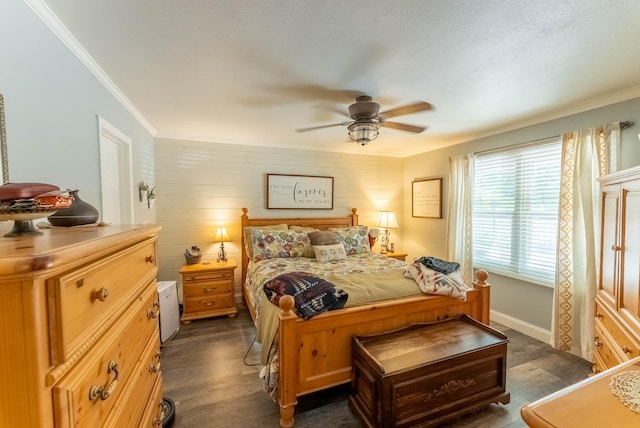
(52, 103)
(202, 186)
(529, 304)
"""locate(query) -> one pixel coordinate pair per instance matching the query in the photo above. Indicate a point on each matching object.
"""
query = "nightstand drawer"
(208, 276)
(207, 303)
(202, 288)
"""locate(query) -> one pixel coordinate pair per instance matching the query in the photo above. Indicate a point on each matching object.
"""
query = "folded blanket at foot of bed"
(433, 282)
(439, 265)
(312, 295)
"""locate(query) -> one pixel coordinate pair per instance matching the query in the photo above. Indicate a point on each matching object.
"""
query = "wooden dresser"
(588, 403)
(80, 341)
(617, 310)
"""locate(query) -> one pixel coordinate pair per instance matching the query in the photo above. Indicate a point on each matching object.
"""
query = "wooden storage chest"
(429, 373)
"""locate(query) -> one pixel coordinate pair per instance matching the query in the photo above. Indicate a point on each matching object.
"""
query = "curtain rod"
(623, 125)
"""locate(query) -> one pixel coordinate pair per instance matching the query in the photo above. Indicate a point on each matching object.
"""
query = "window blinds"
(515, 210)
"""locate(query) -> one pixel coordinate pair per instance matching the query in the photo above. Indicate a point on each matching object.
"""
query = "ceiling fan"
(367, 120)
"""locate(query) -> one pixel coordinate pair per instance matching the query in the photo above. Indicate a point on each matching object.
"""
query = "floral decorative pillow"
(308, 250)
(270, 244)
(329, 253)
(355, 239)
(248, 245)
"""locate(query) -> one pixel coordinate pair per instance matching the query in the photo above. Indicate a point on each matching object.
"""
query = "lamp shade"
(222, 235)
(387, 220)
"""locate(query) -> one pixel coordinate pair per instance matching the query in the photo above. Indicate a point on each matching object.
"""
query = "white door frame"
(119, 164)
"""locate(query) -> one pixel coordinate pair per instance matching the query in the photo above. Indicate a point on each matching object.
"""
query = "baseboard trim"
(521, 326)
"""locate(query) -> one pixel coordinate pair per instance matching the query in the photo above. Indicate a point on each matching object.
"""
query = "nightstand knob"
(208, 289)
(596, 341)
(150, 259)
(614, 247)
(599, 315)
(626, 350)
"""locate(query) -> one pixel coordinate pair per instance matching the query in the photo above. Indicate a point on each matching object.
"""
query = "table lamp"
(221, 236)
(386, 220)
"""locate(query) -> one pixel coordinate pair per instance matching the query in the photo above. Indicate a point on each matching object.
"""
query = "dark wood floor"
(206, 377)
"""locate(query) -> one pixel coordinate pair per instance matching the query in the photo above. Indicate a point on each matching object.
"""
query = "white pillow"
(328, 253)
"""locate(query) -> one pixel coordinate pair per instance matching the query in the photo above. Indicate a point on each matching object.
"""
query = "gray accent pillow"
(323, 237)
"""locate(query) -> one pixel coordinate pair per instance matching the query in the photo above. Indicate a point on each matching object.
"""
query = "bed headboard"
(322, 223)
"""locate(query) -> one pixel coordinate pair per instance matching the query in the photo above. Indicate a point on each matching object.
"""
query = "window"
(515, 210)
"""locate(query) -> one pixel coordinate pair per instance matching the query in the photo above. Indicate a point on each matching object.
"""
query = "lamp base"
(222, 254)
(384, 245)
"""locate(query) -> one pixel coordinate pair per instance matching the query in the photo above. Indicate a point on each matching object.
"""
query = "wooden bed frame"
(316, 354)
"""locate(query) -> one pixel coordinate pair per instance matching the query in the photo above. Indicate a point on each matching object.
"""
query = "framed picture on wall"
(426, 198)
(298, 192)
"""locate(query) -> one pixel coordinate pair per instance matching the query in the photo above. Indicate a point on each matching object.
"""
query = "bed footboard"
(316, 354)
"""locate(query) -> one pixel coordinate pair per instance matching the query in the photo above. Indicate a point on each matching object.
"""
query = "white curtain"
(459, 205)
(586, 155)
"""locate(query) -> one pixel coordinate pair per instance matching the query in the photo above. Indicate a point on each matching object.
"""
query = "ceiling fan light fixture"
(363, 131)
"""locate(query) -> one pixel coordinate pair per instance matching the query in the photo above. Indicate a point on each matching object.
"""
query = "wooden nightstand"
(208, 290)
(396, 255)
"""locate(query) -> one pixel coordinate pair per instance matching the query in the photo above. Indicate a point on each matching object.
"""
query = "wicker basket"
(192, 260)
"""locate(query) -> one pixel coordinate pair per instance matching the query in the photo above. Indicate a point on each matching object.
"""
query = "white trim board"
(521, 326)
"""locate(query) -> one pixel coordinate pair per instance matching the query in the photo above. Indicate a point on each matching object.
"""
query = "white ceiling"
(252, 71)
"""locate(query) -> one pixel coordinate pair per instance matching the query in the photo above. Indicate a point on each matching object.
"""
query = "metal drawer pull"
(155, 368)
(153, 313)
(151, 259)
(596, 341)
(626, 350)
(208, 289)
(157, 421)
(101, 294)
(208, 302)
(102, 392)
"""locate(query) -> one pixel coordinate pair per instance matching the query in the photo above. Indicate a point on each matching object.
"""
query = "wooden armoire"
(617, 308)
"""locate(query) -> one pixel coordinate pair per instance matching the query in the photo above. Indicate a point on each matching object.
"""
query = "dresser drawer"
(605, 348)
(202, 288)
(86, 301)
(132, 405)
(86, 394)
(208, 303)
(154, 413)
(624, 344)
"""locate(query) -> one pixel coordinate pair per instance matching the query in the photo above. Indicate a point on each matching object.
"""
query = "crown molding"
(58, 28)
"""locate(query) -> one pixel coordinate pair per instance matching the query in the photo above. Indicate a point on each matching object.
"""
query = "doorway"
(116, 175)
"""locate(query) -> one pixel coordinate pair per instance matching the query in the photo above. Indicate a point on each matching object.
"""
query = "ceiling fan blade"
(334, 109)
(324, 126)
(408, 109)
(403, 127)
